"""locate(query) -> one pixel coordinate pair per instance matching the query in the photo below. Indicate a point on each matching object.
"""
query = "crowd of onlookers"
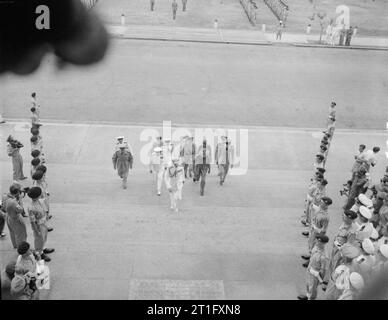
(359, 250)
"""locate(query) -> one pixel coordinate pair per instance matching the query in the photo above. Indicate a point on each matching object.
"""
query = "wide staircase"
(265, 12)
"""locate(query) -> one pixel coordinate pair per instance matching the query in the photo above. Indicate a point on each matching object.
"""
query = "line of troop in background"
(28, 272)
(359, 253)
(316, 217)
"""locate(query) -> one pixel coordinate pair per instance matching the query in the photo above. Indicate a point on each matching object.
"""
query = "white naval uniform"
(165, 163)
(175, 178)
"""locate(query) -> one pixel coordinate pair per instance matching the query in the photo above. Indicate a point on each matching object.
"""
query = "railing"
(279, 8)
(250, 9)
(89, 3)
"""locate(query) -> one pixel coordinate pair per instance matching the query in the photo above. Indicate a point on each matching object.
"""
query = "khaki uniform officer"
(320, 222)
(345, 233)
(122, 162)
(38, 218)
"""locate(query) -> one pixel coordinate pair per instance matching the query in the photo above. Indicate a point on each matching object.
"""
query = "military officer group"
(359, 249)
(359, 252)
(175, 162)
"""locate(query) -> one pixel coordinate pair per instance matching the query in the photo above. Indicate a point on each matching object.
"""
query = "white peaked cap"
(365, 212)
(368, 246)
(384, 250)
(365, 200)
(356, 280)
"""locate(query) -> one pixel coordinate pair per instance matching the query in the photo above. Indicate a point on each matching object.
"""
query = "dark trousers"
(174, 14)
(152, 5)
(200, 173)
(184, 2)
(348, 39)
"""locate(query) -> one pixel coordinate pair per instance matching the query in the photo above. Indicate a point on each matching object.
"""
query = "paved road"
(147, 82)
(233, 36)
(243, 238)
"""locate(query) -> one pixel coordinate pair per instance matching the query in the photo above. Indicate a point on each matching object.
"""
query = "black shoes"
(49, 229)
(302, 297)
(306, 264)
(48, 250)
(305, 256)
(305, 233)
(2, 235)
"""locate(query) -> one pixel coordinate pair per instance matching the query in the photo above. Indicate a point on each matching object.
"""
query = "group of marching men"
(174, 162)
(29, 265)
(360, 247)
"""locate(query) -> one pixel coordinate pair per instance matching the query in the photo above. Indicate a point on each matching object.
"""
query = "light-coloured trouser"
(160, 177)
(175, 193)
(311, 286)
(40, 238)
